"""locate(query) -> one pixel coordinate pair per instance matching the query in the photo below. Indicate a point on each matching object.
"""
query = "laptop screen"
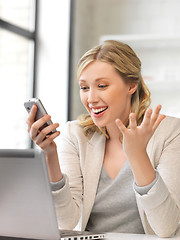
(26, 205)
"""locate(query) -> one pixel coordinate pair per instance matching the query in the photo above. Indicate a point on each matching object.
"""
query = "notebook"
(26, 204)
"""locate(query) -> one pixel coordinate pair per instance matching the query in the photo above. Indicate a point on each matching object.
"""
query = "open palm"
(136, 138)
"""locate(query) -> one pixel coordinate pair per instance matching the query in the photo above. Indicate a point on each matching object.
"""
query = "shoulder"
(72, 140)
(169, 127)
(168, 130)
(72, 126)
(75, 132)
(72, 129)
(171, 121)
(166, 139)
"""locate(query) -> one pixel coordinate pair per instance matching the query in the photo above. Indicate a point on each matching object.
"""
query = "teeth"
(97, 110)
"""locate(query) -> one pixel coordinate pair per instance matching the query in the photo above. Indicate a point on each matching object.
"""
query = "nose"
(92, 96)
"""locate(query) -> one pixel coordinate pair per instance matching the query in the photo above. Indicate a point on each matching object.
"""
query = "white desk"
(118, 236)
(125, 236)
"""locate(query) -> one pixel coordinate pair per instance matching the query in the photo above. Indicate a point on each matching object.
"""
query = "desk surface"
(121, 236)
(125, 236)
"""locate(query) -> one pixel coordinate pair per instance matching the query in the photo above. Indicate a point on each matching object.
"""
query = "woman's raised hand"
(44, 140)
(136, 138)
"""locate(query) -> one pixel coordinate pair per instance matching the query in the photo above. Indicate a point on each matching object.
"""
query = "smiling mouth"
(98, 110)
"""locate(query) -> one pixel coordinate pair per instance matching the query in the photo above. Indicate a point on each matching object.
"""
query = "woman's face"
(104, 93)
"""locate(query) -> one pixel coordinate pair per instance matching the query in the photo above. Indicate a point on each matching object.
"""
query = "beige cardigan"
(81, 159)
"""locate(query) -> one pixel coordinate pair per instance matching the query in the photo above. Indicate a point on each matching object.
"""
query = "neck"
(113, 132)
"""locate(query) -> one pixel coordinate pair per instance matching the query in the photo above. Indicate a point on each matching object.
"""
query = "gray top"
(115, 208)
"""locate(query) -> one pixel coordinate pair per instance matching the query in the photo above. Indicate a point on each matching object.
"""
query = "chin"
(98, 124)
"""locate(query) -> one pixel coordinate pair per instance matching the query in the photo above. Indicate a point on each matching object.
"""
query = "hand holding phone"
(41, 111)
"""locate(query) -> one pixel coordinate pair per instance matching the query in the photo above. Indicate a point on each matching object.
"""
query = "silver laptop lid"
(26, 205)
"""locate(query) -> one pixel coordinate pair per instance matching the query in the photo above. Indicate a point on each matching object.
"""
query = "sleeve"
(162, 202)
(68, 199)
(145, 189)
(57, 185)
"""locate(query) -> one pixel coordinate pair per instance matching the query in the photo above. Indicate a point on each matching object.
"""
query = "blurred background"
(41, 42)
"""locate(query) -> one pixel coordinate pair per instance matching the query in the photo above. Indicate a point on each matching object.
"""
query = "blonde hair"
(125, 61)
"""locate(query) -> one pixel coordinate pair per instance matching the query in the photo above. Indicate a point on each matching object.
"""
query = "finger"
(155, 114)
(121, 126)
(44, 132)
(36, 125)
(132, 121)
(31, 116)
(147, 117)
(49, 139)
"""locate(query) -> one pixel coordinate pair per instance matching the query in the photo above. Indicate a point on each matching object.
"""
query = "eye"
(102, 85)
(84, 88)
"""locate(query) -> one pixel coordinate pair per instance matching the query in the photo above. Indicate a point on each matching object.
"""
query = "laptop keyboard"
(79, 235)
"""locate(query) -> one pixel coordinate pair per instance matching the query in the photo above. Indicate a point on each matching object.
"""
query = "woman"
(118, 166)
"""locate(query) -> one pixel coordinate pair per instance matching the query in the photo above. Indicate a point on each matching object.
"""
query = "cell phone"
(41, 111)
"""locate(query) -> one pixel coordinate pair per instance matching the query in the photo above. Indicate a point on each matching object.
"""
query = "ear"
(132, 88)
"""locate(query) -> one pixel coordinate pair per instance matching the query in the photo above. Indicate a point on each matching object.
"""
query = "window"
(17, 61)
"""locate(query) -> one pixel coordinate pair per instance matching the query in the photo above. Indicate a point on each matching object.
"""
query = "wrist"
(142, 169)
(54, 170)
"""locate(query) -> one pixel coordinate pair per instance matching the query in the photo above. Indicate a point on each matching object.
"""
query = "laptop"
(26, 203)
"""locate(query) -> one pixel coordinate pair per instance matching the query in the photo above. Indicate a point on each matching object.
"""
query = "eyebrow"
(97, 80)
